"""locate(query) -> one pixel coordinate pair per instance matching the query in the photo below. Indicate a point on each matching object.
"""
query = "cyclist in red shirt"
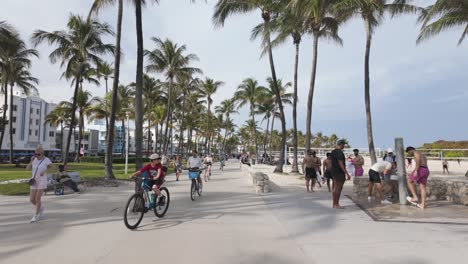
(154, 172)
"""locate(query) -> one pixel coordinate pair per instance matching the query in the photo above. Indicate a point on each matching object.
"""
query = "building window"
(30, 121)
(51, 134)
(14, 131)
(15, 107)
(35, 132)
(37, 122)
(30, 132)
(13, 119)
(37, 111)
(31, 110)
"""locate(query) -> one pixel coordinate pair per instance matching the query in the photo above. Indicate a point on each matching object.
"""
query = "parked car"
(23, 159)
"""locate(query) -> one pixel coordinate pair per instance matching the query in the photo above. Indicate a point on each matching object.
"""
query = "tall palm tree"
(227, 108)
(292, 23)
(105, 71)
(125, 103)
(169, 58)
(322, 24)
(97, 5)
(249, 92)
(444, 15)
(188, 84)
(372, 12)
(268, 8)
(267, 108)
(207, 88)
(15, 63)
(79, 45)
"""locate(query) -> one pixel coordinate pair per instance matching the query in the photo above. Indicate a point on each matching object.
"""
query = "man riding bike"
(194, 163)
(155, 174)
(208, 161)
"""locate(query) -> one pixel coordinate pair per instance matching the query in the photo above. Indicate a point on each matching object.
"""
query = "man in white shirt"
(194, 163)
(374, 178)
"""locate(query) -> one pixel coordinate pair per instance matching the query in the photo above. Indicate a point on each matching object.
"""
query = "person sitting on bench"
(63, 178)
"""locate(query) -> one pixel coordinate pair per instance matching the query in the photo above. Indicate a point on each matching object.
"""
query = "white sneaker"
(34, 219)
(386, 202)
(369, 198)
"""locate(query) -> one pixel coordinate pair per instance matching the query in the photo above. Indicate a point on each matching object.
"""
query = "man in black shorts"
(327, 165)
(339, 172)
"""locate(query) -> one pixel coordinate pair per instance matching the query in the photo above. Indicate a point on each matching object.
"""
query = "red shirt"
(153, 170)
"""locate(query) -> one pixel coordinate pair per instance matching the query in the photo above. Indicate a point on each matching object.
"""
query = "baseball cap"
(390, 150)
(154, 157)
(341, 142)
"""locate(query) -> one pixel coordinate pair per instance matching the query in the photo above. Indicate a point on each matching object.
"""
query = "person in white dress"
(350, 165)
(39, 165)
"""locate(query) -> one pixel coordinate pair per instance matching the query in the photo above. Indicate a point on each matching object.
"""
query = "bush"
(117, 160)
(92, 159)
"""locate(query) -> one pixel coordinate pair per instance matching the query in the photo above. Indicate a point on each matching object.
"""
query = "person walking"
(309, 167)
(164, 162)
(339, 173)
(419, 175)
(358, 163)
(177, 167)
(445, 166)
(39, 165)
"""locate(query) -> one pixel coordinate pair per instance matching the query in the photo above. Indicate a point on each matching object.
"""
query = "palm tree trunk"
(252, 112)
(11, 122)
(168, 112)
(266, 135)
(181, 134)
(279, 165)
(61, 140)
(149, 136)
(124, 138)
(80, 137)
(5, 109)
(139, 88)
(311, 93)
(295, 168)
(115, 89)
(73, 115)
(370, 137)
(271, 131)
(156, 137)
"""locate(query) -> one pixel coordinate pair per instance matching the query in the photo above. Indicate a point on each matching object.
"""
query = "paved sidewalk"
(230, 224)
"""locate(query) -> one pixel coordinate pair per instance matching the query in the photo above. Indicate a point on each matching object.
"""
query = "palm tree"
(207, 88)
(105, 71)
(14, 69)
(443, 15)
(61, 115)
(372, 13)
(267, 108)
(268, 8)
(227, 108)
(74, 52)
(249, 92)
(321, 24)
(169, 58)
(292, 23)
(187, 84)
(97, 5)
(125, 103)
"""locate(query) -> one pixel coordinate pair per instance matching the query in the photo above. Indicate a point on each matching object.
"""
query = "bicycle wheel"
(134, 211)
(193, 190)
(200, 188)
(162, 205)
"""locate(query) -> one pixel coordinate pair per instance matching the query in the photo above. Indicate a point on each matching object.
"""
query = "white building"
(29, 128)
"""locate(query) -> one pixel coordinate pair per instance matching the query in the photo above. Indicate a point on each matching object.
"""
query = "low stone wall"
(259, 180)
(438, 188)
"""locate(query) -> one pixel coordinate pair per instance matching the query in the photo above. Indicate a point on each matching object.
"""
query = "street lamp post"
(126, 141)
(61, 139)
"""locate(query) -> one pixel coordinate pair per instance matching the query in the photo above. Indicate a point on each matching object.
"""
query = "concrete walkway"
(230, 224)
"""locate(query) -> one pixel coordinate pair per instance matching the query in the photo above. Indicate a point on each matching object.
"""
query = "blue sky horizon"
(417, 90)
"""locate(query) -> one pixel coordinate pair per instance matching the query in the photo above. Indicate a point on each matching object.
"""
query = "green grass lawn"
(88, 171)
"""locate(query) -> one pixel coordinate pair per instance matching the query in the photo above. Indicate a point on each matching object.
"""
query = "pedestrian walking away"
(339, 173)
(39, 165)
(177, 167)
(358, 163)
(419, 176)
(164, 162)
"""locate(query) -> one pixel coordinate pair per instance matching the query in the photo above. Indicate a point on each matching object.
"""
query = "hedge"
(116, 160)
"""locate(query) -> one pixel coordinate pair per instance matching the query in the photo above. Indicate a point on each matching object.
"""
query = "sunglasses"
(38, 154)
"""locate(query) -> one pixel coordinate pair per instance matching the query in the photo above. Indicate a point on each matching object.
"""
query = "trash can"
(253, 161)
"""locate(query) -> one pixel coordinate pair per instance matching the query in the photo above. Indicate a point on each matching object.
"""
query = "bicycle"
(196, 187)
(135, 208)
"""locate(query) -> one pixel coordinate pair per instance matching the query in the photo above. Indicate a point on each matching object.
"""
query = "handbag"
(32, 181)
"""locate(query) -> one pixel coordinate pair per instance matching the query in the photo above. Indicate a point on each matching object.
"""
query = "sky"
(417, 91)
